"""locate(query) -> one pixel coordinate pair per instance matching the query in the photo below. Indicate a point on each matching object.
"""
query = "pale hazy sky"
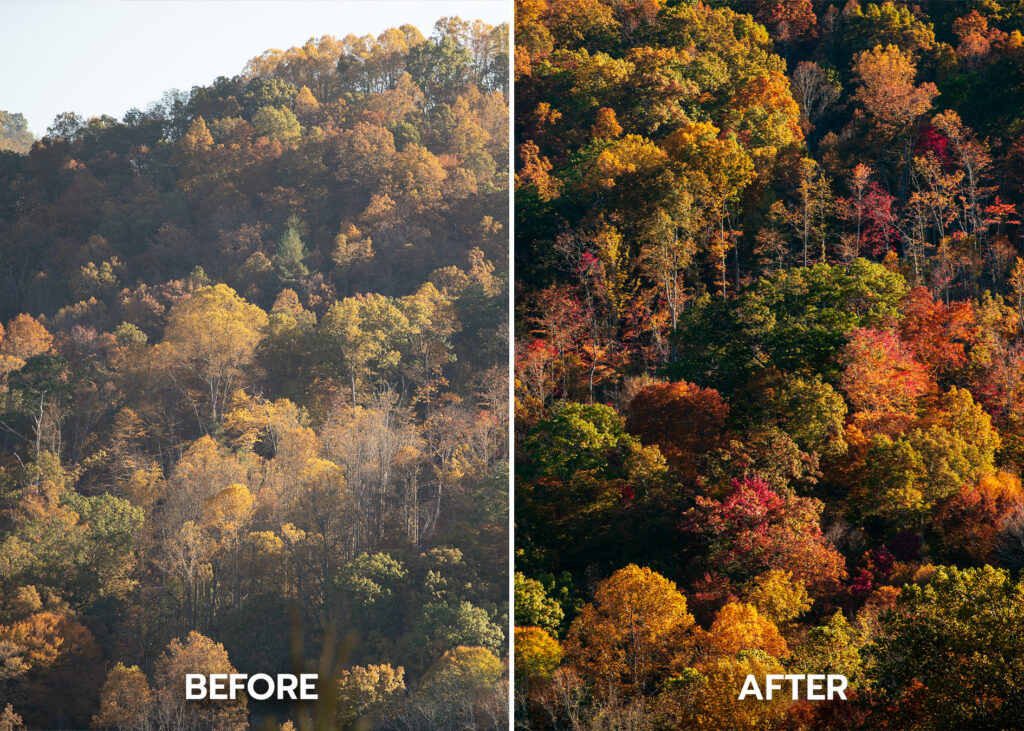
(106, 56)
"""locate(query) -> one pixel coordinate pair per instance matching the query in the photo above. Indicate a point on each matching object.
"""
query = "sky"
(97, 57)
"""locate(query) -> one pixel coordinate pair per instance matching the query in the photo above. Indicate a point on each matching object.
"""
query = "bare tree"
(814, 91)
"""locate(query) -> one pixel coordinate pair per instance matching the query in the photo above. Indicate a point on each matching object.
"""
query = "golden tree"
(709, 697)
(210, 341)
(198, 654)
(370, 692)
(126, 699)
(636, 632)
(738, 627)
(538, 654)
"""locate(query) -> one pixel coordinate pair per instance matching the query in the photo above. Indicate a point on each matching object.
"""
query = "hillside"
(253, 393)
(770, 315)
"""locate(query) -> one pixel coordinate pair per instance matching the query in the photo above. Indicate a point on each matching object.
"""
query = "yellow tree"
(59, 661)
(306, 105)
(351, 246)
(432, 322)
(227, 513)
(190, 148)
(186, 558)
(710, 172)
(708, 697)
(210, 341)
(268, 427)
(461, 674)
(764, 115)
(365, 334)
(808, 215)
(369, 693)
(198, 654)
(277, 442)
(126, 700)
(23, 338)
(636, 632)
(738, 627)
(9, 720)
(887, 92)
(778, 597)
(1017, 283)
(204, 469)
(538, 654)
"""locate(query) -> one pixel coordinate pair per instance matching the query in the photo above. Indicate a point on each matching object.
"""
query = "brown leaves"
(683, 419)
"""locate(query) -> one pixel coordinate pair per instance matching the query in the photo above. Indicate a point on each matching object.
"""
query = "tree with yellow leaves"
(126, 700)
(1017, 285)
(23, 338)
(537, 655)
(210, 341)
(887, 91)
(192, 145)
(226, 513)
(432, 322)
(368, 693)
(459, 686)
(708, 697)
(306, 105)
(778, 597)
(204, 469)
(738, 627)
(635, 633)
(197, 654)
(364, 334)
(59, 663)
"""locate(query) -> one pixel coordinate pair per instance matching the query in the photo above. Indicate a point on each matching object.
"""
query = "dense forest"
(253, 393)
(770, 362)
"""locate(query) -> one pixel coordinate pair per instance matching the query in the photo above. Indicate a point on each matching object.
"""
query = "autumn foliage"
(253, 394)
(770, 300)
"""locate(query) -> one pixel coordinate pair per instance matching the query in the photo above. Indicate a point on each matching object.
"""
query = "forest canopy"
(253, 374)
(769, 320)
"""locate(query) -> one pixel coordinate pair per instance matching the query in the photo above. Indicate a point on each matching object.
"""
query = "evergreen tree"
(291, 254)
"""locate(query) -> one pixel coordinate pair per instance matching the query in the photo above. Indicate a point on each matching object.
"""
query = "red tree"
(684, 420)
(755, 529)
(937, 333)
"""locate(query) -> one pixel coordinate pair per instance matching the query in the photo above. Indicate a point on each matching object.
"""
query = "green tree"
(812, 412)
(291, 254)
(905, 478)
(833, 647)
(794, 319)
(14, 133)
(440, 67)
(959, 637)
(446, 626)
(277, 123)
(533, 607)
